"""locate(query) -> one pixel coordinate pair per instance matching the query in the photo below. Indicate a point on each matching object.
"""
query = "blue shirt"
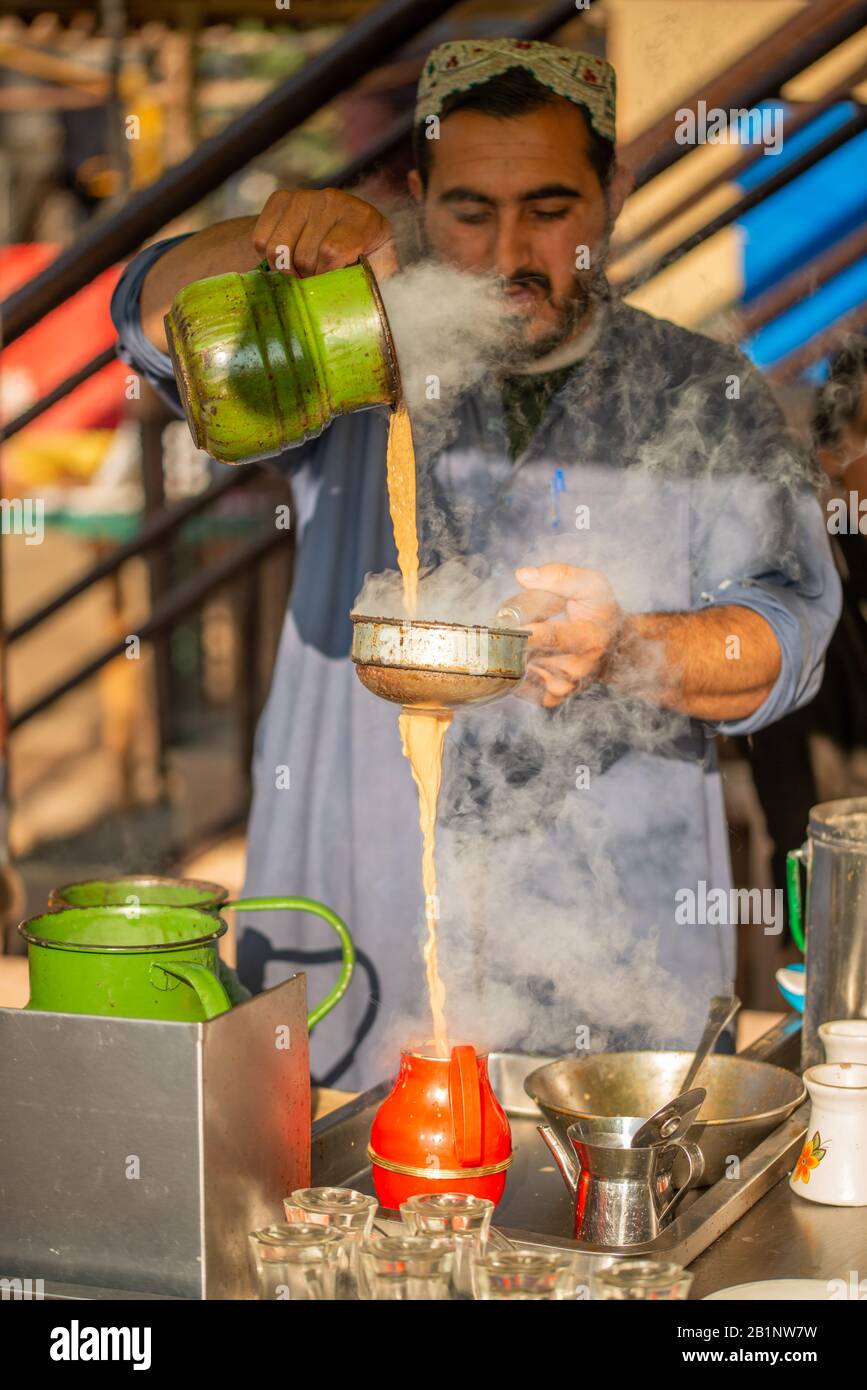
(566, 838)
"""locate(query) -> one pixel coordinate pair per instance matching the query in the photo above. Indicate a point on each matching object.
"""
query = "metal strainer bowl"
(436, 666)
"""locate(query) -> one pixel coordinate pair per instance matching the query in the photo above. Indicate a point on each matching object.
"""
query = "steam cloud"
(458, 591)
(540, 929)
(429, 308)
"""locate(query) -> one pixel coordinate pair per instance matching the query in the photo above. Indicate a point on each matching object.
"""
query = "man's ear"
(415, 185)
(619, 188)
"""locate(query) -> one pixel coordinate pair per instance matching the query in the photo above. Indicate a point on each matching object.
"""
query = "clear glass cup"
(406, 1267)
(464, 1218)
(524, 1274)
(297, 1260)
(647, 1279)
(351, 1213)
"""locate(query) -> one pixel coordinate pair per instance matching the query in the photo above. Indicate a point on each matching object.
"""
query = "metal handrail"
(788, 51)
(751, 199)
(827, 340)
(331, 72)
(795, 120)
(58, 392)
(186, 596)
(155, 528)
(809, 277)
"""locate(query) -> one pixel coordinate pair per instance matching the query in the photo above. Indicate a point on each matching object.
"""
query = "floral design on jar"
(811, 1156)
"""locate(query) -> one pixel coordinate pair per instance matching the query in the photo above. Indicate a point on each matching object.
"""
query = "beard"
(589, 288)
(569, 310)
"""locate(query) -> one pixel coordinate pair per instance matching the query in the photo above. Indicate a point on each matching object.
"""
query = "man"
(638, 473)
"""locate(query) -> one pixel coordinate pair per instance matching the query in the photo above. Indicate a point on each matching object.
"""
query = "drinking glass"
(524, 1274)
(458, 1215)
(405, 1267)
(340, 1209)
(297, 1260)
(647, 1279)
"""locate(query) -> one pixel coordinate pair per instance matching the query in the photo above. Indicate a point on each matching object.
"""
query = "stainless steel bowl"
(745, 1099)
(436, 666)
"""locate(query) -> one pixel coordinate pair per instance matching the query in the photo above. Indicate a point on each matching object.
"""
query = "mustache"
(529, 277)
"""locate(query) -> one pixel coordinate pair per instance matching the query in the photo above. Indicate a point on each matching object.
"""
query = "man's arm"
(717, 664)
(302, 232)
(714, 665)
(225, 246)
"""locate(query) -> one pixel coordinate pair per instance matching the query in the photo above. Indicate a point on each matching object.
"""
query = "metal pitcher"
(126, 962)
(136, 890)
(623, 1196)
(264, 361)
(835, 943)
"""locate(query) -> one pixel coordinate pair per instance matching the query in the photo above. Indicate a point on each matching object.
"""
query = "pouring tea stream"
(265, 361)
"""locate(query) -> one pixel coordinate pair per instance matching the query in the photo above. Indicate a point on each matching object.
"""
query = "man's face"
(520, 197)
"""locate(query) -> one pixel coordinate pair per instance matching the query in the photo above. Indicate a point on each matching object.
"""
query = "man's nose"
(511, 247)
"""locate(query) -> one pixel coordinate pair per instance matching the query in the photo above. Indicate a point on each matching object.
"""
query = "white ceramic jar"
(844, 1040)
(832, 1167)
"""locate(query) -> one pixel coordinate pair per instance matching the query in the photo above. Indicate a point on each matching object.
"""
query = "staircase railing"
(362, 46)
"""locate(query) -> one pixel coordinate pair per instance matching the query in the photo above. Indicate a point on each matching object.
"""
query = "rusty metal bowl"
(745, 1101)
(436, 666)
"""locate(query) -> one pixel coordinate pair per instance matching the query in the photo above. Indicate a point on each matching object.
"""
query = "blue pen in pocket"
(558, 485)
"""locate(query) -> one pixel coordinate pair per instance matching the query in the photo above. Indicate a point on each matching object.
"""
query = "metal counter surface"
(781, 1236)
(786, 1237)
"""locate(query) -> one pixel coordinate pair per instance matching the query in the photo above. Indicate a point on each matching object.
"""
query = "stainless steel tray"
(536, 1210)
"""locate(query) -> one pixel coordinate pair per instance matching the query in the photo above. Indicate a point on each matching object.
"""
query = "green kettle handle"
(319, 910)
(212, 996)
(794, 859)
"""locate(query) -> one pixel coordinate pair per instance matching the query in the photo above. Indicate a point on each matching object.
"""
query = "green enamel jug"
(128, 962)
(151, 890)
(264, 361)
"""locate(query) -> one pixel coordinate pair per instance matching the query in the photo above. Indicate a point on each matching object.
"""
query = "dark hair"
(512, 93)
(838, 401)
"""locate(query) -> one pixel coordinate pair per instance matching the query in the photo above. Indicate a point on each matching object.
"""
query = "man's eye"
(544, 215)
(472, 219)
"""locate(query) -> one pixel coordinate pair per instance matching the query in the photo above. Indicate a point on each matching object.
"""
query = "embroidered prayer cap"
(588, 81)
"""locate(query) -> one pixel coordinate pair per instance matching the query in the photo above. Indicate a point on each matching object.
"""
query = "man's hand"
(308, 231)
(566, 652)
(301, 233)
(717, 664)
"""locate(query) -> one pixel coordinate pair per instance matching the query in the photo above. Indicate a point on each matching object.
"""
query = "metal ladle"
(665, 1121)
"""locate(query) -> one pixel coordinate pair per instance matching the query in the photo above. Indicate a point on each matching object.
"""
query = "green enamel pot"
(264, 360)
(148, 890)
(129, 962)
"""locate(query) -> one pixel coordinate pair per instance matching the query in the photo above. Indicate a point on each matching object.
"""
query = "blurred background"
(126, 121)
